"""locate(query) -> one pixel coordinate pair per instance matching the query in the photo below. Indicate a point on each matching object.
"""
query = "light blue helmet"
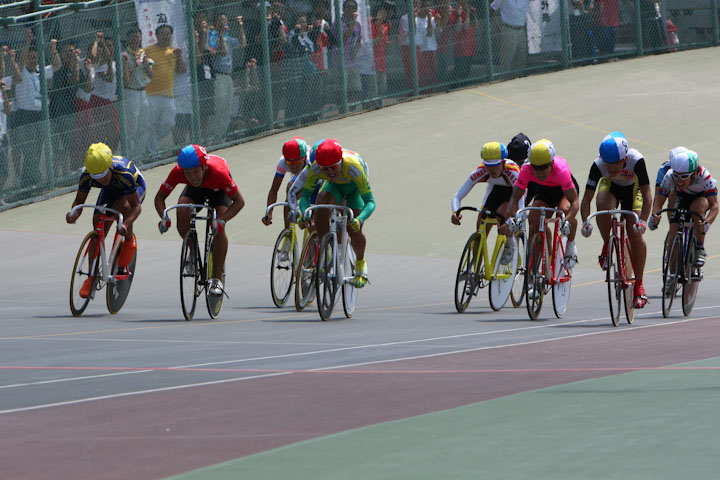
(314, 149)
(614, 147)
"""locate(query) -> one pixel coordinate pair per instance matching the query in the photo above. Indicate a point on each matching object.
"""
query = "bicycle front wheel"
(692, 279)
(517, 292)
(117, 291)
(534, 277)
(628, 290)
(672, 266)
(326, 283)
(502, 281)
(82, 269)
(189, 274)
(614, 280)
(349, 292)
(213, 302)
(282, 268)
(305, 281)
(467, 278)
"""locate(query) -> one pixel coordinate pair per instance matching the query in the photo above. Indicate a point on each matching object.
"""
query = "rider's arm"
(464, 190)
(238, 202)
(585, 204)
(512, 206)
(274, 187)
(80, 197)
(297, 187)
(647, 202)
(572, 197)
(368, 208)
(160, 202)
(644, 185)
(713, 213)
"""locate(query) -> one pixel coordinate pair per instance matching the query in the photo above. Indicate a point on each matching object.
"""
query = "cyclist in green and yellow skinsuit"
(346, 178)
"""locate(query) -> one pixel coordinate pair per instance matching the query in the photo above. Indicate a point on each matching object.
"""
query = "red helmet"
(295, 149)
(328, 153)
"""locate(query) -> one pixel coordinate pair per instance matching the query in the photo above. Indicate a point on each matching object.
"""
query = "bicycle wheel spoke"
(282, 268)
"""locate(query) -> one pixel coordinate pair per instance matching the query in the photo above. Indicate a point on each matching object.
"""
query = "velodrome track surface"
(407, 388)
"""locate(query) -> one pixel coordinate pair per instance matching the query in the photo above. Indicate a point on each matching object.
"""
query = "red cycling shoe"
(640, 299)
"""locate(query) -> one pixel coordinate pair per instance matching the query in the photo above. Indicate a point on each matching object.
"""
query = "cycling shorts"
(498, 196)
(683, 202)
(551, 196)
(215, 198)
(628, 197)
(347, 191)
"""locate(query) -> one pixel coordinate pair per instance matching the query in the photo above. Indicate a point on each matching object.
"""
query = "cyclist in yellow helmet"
(122, 187)
(554, 186)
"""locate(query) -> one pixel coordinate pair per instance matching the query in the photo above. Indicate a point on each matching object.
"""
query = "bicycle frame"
(107, 276)
(685, 232)
(488, 218)
(293, 227)
(338, 222)
(617, 230)
(556, 250)
(209, 220)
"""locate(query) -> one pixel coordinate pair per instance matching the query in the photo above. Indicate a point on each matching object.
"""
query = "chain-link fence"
(150, 76)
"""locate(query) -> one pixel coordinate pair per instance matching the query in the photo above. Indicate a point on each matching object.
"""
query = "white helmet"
(683, 160)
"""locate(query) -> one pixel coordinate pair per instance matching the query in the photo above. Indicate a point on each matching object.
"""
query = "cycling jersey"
(217, 177)
(702, 184)
(559, 176)
(353, 179)
(126, 179)
(634, 170)
(506, 179)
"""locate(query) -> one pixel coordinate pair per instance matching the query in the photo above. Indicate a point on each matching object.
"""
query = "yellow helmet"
(98, 159)
(542, 152)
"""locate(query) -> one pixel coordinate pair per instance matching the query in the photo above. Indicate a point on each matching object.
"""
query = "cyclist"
(346, 178)
(696, 190)
(554, 187)
(295, 157)
(122, 187)
(500, 175)
(208, 181)
(620, 177)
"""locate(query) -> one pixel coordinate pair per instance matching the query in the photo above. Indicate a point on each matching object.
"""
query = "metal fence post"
(119, 75)
(489, 43)
(565, 34)
(341, 56)
(266, 65)
(638, 30)
(413, 51)
(716, 33)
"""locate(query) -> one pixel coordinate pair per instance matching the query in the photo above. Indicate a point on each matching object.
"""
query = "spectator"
(205, 78)
(137, 72)
(28, 139)
(607, 31)
(277, 35)
(653, 31)
(513, 38)
(318, 33)
(381, 39)
(4, 112)
(443, 14)
(106, 125)
(351, 38)
(84, 113)
(404, 34)
(301, 74)
(426, 43)
(222, 65)
(65, 82)
(581, 34)
(160, 90)
(464, 20)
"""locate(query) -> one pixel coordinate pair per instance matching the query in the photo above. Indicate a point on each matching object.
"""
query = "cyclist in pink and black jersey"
(555, 188)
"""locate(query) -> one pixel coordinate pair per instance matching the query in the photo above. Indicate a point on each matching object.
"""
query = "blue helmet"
(614, 147)
(192, 156)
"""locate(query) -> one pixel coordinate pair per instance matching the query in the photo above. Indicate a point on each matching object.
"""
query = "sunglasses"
(540, 167)
(294, 162)
(682, 176)
(331, 167)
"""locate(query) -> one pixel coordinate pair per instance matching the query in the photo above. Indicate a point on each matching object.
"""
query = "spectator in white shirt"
(510, 16)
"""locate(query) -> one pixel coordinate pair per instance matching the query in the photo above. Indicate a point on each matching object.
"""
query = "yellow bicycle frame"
(504, 270)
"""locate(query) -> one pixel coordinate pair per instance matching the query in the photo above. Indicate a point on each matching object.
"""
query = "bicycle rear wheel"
(117, 292)
(349, 292)
(305, 281)
(326, 282)
(672, 265)
(466, 280)
(82, 268)
(534, 278)
(628, 290)
(282, 268)
(517, 293)
(614, 280)
(692, 279)
(502, 281)
(189, 274)
(213, 302)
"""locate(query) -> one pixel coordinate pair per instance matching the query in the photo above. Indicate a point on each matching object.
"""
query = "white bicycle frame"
(338, 222)
(107, 276)
(520, 218)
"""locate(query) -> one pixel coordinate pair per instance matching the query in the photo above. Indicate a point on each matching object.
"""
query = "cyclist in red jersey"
(208, 180)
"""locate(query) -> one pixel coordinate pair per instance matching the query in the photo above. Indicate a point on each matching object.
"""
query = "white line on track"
(475, 349)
